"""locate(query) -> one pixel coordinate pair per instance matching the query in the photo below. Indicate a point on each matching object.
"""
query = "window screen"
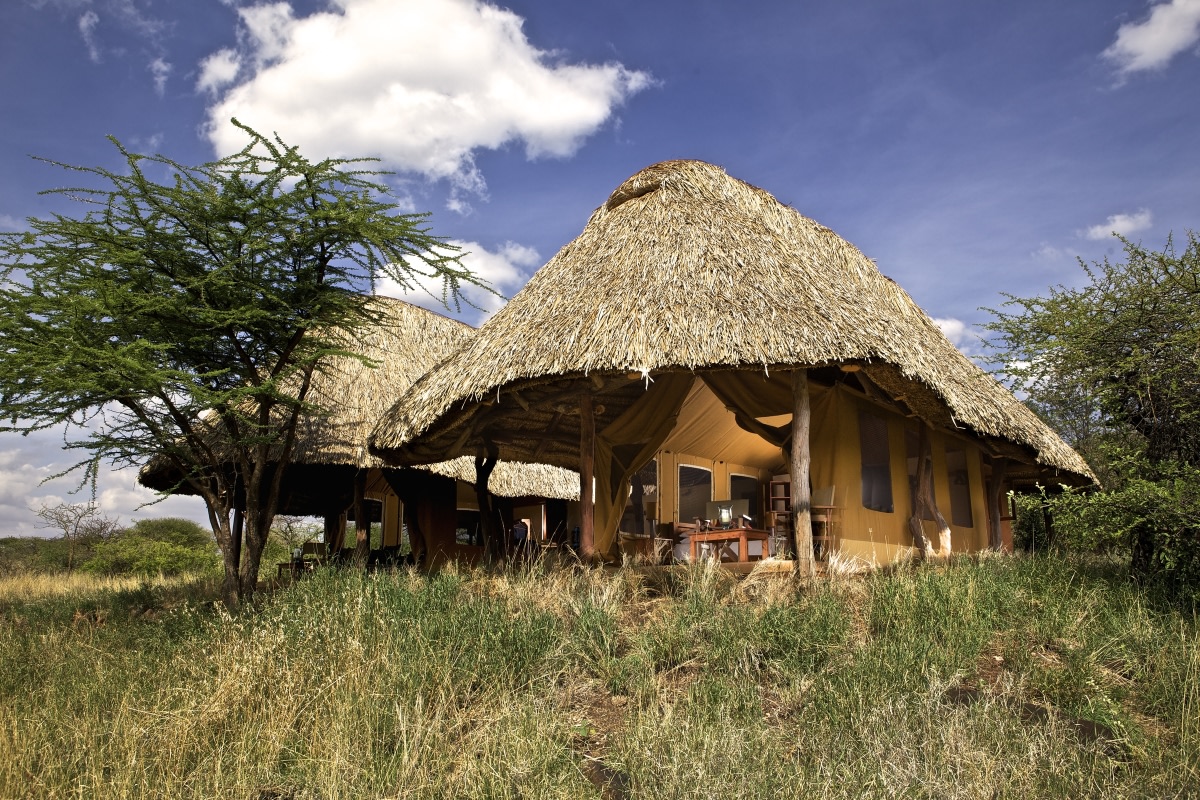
(695, 490)
(744, 487)
(467, 527)
(960, 488)
(876, 462)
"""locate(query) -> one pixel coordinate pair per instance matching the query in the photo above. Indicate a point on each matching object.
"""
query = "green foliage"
(163, 546)
(184, 314)
(131, 554)
(27, 554)
(1114, 366)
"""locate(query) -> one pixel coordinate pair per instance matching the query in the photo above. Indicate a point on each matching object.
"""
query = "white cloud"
(11, 223)
(1170, 29)
(421, 85)
(218, 70)
(1123, 224)
(22, 490)
(161, 70)
(506, 270)
(87, 29)
(961, 335)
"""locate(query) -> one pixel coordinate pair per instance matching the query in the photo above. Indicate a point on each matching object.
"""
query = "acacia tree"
(1116, 366)
(79, 523)
(184, 319)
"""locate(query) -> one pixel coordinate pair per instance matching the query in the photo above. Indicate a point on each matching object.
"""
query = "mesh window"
(876, 462)
(467, 528)
(695, 490)
(960, 488)
(744, 487)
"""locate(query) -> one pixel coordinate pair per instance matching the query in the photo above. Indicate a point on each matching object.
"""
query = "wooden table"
(720, 537)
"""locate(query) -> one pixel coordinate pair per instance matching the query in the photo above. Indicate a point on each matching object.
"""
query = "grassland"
(995, 678)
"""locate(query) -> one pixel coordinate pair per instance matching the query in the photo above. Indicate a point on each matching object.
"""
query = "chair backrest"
(823, 496)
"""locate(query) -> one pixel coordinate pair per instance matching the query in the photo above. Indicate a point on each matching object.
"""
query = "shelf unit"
(781, 513)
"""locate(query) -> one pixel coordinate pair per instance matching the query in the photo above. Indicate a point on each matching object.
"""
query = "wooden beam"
(587, 456)
(537, 451)
(801, 461)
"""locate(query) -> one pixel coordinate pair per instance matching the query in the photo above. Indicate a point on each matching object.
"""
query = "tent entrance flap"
(627, 443)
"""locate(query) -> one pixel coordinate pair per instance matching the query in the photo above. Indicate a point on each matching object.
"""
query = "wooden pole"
(362, 522)
(493, 535)
(995, 498)
(637, 497)
(801, 461)
(587, 458)
(333, 533)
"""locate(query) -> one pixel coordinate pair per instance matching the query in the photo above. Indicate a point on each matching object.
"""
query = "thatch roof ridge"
(687, 268)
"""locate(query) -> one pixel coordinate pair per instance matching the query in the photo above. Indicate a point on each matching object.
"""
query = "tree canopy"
(1115, 366)
(185, 313)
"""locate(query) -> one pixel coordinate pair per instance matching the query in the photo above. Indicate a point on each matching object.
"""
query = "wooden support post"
(587, 458)
(637, 497)
(362, 522)
(801, 460)
(995, 498)
(493, 536)
(333, 533)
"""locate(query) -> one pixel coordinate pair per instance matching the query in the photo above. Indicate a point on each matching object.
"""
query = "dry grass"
(992, 678)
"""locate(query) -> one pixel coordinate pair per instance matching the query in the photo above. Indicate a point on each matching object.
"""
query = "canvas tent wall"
(687, 272)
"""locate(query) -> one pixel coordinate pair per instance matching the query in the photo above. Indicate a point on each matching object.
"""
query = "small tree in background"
(81, 525)
(1115, 366)
(185, 318)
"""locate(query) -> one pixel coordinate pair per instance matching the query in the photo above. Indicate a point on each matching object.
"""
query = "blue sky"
(971, 149)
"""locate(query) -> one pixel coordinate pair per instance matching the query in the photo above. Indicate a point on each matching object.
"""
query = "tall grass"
(993, 678)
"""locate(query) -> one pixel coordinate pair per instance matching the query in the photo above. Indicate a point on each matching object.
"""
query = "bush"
(166, 546)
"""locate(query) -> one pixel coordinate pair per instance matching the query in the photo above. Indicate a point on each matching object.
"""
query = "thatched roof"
(687, 269)
(405, 343)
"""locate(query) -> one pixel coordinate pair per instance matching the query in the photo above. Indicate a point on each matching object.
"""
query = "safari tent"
(332, 475)
(699, 341)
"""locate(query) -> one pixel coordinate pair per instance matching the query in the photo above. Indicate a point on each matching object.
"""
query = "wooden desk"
(743, 536)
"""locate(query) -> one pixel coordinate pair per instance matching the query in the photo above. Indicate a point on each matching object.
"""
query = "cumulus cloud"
(506, 270)
(218, 70)
(1123, 224)
(1149, 44)
(26, 484)
(961, 335)
(161, 70)
(421, 85)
